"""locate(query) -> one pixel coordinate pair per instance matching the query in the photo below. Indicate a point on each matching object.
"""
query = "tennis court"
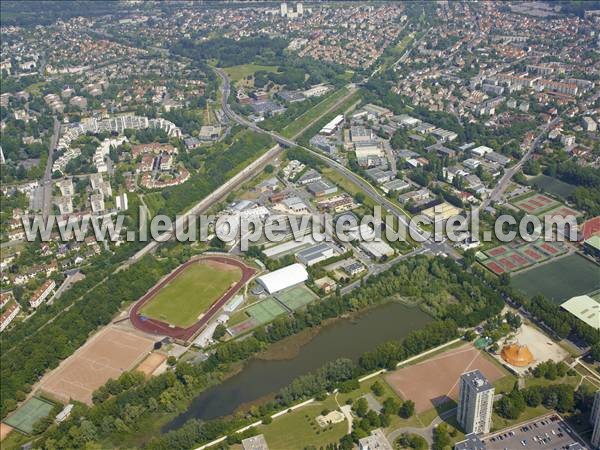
(266, 310)
(244, 326)
(296, 297)
(536, 204)
(562, 211)
(519, 255)
(29, 413)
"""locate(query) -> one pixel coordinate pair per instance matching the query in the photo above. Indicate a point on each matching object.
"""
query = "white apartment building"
(475, 402)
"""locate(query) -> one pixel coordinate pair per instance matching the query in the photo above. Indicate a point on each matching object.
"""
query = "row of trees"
(555, 396)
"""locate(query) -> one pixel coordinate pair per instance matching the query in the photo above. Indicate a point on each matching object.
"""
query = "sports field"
(266, 310)
(29, 413)
(296, 297)
(536, 204)
(106, 355)
(553, 186)
(520, 254)
(185, 298)
(560, 279)
(435, 381)
(242, 71)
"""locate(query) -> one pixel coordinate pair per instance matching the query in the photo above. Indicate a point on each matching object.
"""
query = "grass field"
(191, 293)
(29, 413)
(561, 279)
(313, 113)
(240, 72)
(552, 186)
(299, 429)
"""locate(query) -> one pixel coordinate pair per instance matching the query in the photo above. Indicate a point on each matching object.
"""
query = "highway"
(387, 205)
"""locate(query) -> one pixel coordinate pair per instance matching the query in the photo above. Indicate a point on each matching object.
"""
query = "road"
(504, 182)
(368, 188)
(47, 179)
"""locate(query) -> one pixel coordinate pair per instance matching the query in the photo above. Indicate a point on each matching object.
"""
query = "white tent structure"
(283, 278)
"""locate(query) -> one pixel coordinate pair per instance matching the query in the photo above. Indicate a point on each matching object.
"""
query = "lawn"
(237, 73)
(560, 279)
(552, 186)
(299, 429)
(190, 294)
(312, 114)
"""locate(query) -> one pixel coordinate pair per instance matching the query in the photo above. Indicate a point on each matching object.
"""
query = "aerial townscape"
(119, 118)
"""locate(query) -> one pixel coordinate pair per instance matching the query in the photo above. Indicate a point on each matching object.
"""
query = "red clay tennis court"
(435, 381)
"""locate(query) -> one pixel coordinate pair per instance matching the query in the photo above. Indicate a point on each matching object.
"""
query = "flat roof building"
(475, 402)
(316, 253)
(376, 441)
(283, 278)
(585, 308)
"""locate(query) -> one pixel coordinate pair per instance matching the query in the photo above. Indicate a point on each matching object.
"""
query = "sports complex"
(186, 299)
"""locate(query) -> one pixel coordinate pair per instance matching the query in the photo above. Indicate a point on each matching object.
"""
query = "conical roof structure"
(517, 355)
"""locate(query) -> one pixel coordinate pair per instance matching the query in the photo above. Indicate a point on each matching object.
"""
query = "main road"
(505, 180)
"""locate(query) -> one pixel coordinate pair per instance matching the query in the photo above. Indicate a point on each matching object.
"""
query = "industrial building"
(283, 278)
(332, 125)
(376, 249)
(475, 403)
(316, 253)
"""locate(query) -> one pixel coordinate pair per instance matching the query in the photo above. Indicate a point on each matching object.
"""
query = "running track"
(157, 327)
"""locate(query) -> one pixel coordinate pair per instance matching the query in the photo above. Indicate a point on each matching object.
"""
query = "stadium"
(189, 297)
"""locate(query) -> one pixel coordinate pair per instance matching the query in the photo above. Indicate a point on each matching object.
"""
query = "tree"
(407, 409)
(220, 331)
(377, 388)
(361, 407)
(441, 437)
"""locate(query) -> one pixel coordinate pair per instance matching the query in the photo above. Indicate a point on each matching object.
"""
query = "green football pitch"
(191, 293)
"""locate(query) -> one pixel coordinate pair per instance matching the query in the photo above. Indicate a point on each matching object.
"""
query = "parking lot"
(548, 432)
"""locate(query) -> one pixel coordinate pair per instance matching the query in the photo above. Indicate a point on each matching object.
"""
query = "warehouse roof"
(283, 278)
(585, 308)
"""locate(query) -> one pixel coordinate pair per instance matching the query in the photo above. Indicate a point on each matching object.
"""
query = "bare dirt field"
(4, 430)
(541, 346)
(435, 381)
(106, 355)
(151, 363)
